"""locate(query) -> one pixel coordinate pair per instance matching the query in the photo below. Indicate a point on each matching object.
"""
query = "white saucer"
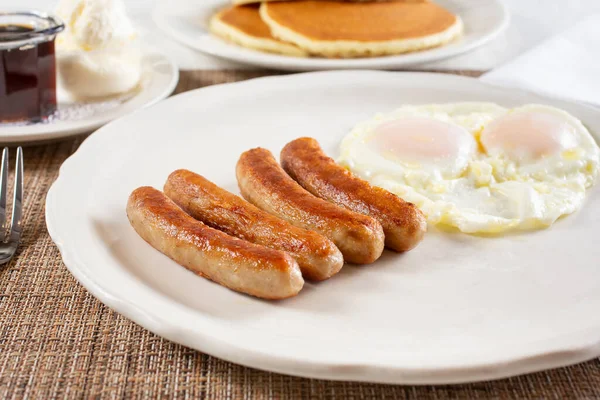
(187, 22)
(160, 77)
(457, 308)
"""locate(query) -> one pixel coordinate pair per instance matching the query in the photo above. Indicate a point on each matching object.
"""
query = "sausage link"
(316, 255)
(234, 263)
(403, 223)
(266, 185)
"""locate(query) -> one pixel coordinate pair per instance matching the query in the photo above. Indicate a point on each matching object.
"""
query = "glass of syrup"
(27, 66)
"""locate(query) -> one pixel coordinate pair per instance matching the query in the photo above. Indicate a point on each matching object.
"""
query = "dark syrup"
(27, 78)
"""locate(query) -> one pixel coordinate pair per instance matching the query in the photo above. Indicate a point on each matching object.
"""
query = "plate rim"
(287, 63)
(292, 366)
(81, 127)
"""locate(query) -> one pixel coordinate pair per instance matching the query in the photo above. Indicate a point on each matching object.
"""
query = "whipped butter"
(98, 54)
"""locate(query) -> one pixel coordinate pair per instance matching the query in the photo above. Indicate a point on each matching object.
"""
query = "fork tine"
(3, 189)
(15, 223)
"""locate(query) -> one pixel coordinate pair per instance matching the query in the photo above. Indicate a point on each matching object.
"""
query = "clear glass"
(27, 66)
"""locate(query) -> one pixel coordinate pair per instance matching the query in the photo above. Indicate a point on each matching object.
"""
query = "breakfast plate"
(159, 78)
(457, 308)
(187, 22)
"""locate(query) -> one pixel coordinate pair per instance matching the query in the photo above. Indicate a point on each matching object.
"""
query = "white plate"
(458, 308)
(187, 22)
(160, 76)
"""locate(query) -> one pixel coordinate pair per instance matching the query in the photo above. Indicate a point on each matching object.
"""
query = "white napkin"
(566, 65)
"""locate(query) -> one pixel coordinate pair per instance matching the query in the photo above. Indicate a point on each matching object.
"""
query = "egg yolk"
(422, 139)
(528, 134)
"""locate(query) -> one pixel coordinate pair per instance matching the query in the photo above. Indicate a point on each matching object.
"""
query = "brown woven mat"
(57, 341)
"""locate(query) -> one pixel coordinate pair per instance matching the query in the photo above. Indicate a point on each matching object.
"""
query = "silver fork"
(9, 241)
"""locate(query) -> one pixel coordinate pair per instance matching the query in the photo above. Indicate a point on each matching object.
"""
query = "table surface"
(57, 341)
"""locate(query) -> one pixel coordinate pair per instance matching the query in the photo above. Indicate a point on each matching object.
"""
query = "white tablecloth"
(532, 21)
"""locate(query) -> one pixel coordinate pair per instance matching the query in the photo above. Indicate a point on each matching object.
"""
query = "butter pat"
(98, 54)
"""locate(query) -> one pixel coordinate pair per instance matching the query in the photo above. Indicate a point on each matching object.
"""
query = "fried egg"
(478, 167)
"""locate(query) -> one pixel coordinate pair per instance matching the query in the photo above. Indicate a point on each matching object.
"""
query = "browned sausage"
(267, 186)
(403, 223)
(316, 255)
(231, 262)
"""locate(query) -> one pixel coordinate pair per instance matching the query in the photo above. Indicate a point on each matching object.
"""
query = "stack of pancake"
(337, 28)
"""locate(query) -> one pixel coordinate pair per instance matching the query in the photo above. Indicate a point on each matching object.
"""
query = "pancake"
(250, 1)
(242, 25)
(261, 1)
(351, 29)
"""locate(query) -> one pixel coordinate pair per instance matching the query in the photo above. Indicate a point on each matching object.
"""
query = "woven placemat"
(57, 341)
